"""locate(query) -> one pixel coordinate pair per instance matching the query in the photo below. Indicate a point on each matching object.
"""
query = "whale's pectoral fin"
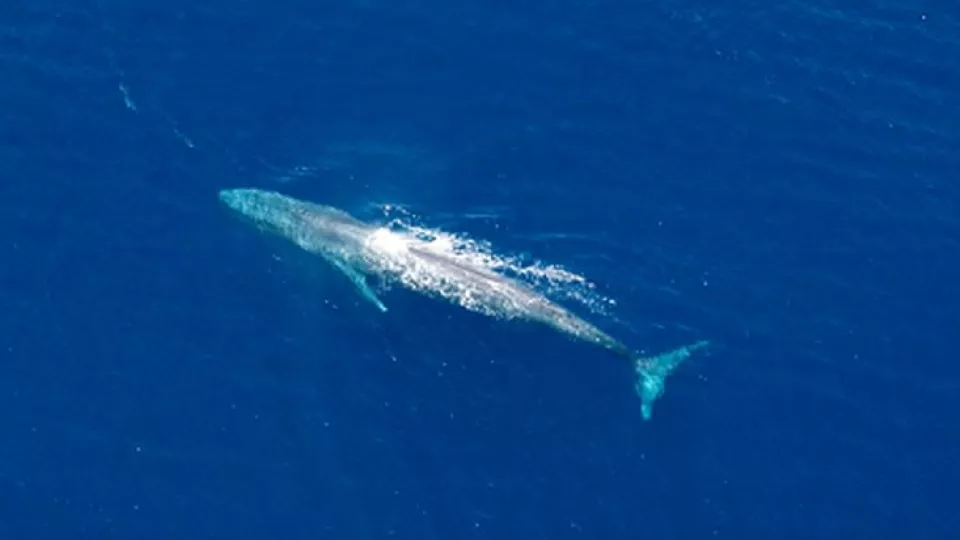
(360, 281)
(652, 374)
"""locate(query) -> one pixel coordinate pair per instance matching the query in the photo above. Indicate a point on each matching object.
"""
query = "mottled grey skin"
(516, 300)
(347, 243)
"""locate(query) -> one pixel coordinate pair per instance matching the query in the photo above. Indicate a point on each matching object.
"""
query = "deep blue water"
(778, 178)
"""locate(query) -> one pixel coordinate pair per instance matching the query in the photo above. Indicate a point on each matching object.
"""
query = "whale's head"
(310, 225)
(252, 203)
(265, 209)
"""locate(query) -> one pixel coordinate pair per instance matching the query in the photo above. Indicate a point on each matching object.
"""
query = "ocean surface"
(779, 178)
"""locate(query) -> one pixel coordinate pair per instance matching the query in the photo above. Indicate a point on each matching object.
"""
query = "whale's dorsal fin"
(360, 281)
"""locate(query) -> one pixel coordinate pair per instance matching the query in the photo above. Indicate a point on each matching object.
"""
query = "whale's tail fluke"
(652, 373)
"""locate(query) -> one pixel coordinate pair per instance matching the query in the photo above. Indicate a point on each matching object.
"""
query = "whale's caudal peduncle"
(360, 249)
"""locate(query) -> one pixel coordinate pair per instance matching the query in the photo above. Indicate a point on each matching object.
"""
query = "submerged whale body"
(360, 249)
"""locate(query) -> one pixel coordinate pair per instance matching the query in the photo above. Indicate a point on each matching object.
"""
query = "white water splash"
(552, 280)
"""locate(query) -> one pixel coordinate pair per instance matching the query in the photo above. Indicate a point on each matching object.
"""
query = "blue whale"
(360, 249)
